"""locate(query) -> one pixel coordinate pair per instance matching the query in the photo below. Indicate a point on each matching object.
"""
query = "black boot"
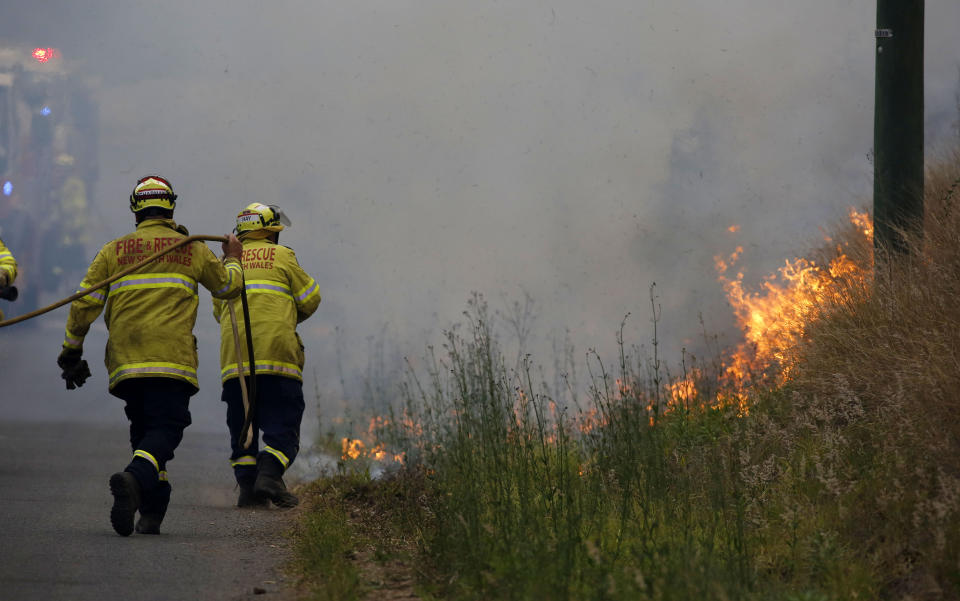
(269, 483)
(149, 523)
(126, 501)
(153, 507)
(247, 498)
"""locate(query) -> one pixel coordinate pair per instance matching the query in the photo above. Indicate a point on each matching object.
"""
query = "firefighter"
(8, 269)
(151, 355)
(281, 295)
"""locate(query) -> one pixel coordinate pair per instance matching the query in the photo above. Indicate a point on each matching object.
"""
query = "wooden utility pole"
(898, 124)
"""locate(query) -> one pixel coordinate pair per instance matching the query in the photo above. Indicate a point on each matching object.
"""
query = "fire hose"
(249, 396)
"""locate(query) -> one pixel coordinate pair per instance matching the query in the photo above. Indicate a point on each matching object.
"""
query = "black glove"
(75, 370)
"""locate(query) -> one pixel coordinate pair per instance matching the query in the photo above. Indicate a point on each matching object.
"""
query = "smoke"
(576, 152)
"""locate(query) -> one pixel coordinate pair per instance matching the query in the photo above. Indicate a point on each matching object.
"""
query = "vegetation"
(834, 475)
(324, 542)
(357, 538)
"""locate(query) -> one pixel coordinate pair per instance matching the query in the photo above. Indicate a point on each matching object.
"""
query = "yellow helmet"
(152, 191)
(259, 216)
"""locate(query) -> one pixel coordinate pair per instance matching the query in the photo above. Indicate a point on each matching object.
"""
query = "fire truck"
(48, 168)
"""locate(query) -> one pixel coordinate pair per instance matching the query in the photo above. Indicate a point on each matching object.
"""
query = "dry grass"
(879, 382)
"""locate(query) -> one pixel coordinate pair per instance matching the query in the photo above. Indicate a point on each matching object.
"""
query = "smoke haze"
(576, 152)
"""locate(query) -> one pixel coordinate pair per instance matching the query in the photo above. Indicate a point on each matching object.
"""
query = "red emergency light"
(43, 55)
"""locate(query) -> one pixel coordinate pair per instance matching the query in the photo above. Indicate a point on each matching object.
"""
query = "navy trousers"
(158, 410)
(278, 413)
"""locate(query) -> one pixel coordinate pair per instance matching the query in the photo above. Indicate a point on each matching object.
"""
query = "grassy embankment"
(834, 475)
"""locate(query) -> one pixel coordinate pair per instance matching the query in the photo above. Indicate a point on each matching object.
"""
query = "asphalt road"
(56, 541)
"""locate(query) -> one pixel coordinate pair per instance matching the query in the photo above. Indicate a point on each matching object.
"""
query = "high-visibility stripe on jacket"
(7, 263)
(280, 295)
(151, 312)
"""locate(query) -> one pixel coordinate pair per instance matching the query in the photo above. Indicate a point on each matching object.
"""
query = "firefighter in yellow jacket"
(151, 355)
(281, 295)
(8, 269)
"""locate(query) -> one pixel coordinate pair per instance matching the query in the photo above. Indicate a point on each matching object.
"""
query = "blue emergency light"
(7, 188)
(45, 111)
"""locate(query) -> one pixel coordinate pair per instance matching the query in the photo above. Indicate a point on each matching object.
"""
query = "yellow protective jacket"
(280, 295)
(7, 263)
(8, 266)
(151, 312)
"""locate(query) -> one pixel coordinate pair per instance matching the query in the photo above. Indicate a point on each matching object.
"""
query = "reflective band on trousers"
(184, 372)
(245, 460)
(279, 455)
(140, 281)
(145, 455)
(263, 367)
(163, 475)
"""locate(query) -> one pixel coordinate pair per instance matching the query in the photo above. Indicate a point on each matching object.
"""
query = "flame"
(351, 448)
(590, 420)
(43, 55)
(374, 449)
(863, 222)
(773, 320)
(683, 392)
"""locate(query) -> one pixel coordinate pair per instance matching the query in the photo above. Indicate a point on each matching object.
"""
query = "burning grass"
(819, 459)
